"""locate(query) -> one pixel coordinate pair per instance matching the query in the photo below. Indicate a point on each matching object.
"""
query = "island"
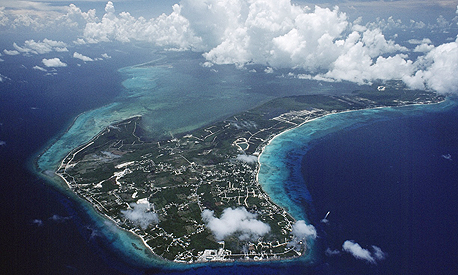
(195, 197)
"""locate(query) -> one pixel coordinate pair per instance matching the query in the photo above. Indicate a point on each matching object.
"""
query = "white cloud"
(301, 230)
(418, 42)
(417, 25)
(301, 233)
(140, 214)
(171, 31)
(82, 57)
(378, 254)
(79, 41)
(41, 47)
(53, 62)
(357, 251)
(4, 20)
(423, 48)
(437, 69)
(76, 18)
(303, 76)
(39, 68)
(235, 220)
(37, 222)
(277, 33)
(106, 56)
(10, 52)
(206, 64)
(109, 8)
(40, 16)
(247, 158)
(363, 254)
(269, 70)
(424, 45)
(273, 33)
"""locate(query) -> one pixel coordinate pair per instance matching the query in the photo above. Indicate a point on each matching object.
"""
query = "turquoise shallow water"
(284, 162)
(176, 95)
(280, 160)
(169, 101)
(171, 98)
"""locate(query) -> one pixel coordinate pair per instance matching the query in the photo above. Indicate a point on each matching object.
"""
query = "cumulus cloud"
(53, 62)
(79, 41)
(235, 221)
(437, 69)
(41, 47)
(279, 34)
(171, 31)
(424, 45)
(74, 17)
(301, 233)
(40, 68)
(37, 222)
(43, 16)
(363, 254)
(269, 70)
(418, 42)
(273, 33)
(207, 64)
(140, 214)
(247, 158)
(357, 251)
(82, 57)
(4, 20)
(422, 48)
(10, 52)
(302, 230)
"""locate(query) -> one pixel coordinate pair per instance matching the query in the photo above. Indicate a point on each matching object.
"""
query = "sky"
(356, 41)
(328, 42)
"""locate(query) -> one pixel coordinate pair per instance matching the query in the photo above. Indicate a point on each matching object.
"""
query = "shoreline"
(162, 261)
(41, 151)
(260, 149)
(55, 139)
(268, 142)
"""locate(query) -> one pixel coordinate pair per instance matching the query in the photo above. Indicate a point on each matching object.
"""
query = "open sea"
(387, 176)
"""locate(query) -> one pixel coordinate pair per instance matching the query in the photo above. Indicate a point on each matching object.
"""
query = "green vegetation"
(180, 177)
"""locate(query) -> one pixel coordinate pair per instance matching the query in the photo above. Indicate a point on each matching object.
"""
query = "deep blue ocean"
(387, 177)
(388, 180)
